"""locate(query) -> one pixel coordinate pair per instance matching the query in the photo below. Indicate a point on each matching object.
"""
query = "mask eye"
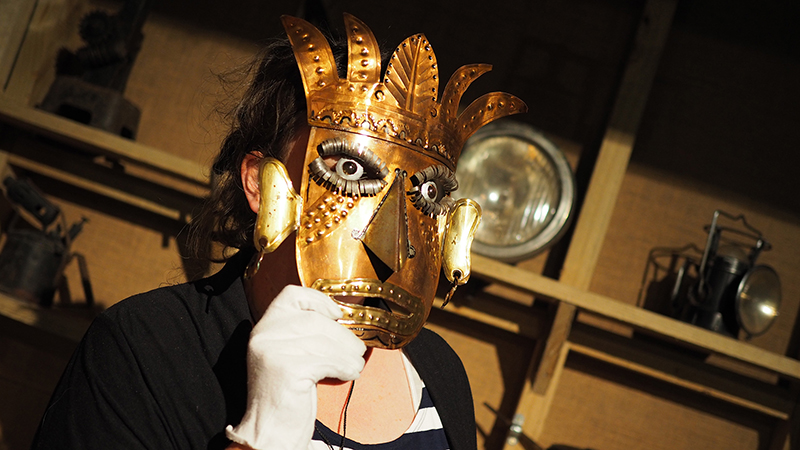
(431, 189)
(349, 169)
(355, 169)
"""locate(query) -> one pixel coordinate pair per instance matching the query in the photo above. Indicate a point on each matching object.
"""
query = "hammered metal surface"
(323, 217)
(377, 327)
(392, 223)
(464, 220)
(372, 236)
(403, 108)
(279, 206)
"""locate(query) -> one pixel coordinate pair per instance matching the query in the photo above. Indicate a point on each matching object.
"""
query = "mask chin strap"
(463, 221)
(279, 209)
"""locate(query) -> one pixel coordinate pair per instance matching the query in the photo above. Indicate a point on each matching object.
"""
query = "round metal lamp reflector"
(758, 300)
(524, 186)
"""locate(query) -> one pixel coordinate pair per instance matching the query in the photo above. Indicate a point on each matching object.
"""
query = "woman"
(344, 360)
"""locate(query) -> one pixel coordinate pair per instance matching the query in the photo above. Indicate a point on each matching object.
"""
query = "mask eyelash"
(431, 189)
(357, 158)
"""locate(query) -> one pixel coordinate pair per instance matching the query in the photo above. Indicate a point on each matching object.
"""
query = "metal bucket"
(30, 265)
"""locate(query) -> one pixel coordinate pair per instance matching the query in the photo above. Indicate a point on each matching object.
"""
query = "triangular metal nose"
(387, 233)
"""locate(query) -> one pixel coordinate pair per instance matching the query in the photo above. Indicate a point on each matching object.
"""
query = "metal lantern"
(731, 291)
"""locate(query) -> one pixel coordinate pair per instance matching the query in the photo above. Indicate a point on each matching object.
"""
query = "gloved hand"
(296, 344)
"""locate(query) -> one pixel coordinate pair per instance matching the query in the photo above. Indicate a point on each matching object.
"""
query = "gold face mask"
(374, 218)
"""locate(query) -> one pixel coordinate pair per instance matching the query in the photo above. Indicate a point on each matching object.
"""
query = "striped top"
(425, 432)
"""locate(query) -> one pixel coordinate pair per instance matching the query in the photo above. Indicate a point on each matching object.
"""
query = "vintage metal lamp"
(525, 188)
(731, 291)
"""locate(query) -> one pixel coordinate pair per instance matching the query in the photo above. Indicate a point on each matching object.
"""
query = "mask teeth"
(362, 315)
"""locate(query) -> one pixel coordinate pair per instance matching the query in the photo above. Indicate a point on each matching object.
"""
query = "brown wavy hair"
(262, 121)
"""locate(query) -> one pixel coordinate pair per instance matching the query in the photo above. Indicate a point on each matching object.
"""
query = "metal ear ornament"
(279, 206)
(279, 211)
(465, 217)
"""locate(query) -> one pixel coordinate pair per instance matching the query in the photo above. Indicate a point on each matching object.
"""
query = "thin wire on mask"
(344, 420)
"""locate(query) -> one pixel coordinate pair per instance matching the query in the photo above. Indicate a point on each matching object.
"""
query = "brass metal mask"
(380, 166)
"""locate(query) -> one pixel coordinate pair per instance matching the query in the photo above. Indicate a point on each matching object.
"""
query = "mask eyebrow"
(439, 173)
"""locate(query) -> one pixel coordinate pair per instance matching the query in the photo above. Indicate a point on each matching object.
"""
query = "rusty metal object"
(90, 81)
(32, 261)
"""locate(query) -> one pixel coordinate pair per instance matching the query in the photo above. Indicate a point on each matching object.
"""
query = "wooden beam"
(163, 193)
(99, 142)
(533, 426)
(710, 391)
(512, 320)
(787, 430)
(99, 188)
(548, 364)
(15, 15)
(68, 326)
(53, 22)
(606, 180)
(681, 369)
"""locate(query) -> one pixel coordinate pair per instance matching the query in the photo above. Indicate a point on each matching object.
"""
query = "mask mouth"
(380, 314)
(374, 303)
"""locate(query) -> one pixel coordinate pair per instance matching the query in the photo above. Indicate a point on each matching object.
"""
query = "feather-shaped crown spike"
(404, 107)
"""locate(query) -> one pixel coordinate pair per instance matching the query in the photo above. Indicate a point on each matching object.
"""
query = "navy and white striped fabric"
(425, 433)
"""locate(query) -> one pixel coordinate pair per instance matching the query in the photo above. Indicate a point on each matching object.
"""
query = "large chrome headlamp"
(525, 188)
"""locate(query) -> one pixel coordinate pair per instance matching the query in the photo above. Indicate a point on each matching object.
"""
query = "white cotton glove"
(296, 344)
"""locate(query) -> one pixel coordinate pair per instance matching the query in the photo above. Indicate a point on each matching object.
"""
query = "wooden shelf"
(681, 369)
(98, 188)
(60, 323)
(636, 317)
(152, 180)
(82, 137)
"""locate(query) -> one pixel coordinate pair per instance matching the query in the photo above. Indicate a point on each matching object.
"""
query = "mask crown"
(404, 107)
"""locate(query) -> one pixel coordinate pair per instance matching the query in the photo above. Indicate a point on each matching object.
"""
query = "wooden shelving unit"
(165, 184)
(767, 399)
(67, 327)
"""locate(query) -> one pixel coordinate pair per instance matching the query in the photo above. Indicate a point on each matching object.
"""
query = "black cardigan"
(166, 369)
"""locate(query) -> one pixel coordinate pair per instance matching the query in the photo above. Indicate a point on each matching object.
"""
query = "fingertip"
(352, 375)
(362, 347)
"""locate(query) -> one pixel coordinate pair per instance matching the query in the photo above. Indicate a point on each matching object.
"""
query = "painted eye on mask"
(355, 169)
(431, 189)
